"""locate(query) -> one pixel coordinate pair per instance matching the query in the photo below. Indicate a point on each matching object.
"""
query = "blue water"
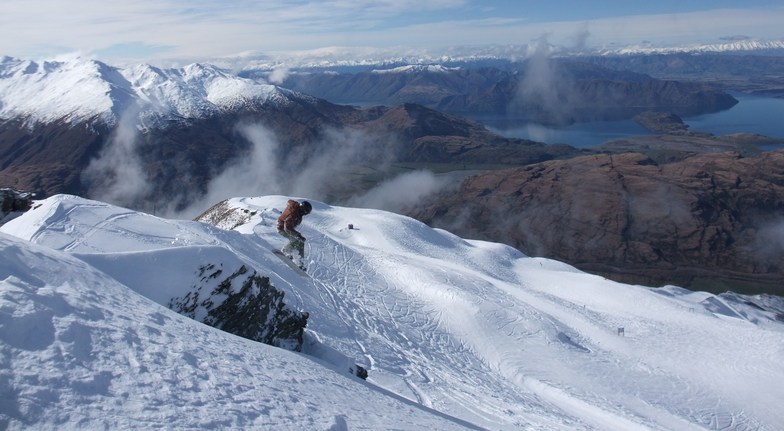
(752, 114)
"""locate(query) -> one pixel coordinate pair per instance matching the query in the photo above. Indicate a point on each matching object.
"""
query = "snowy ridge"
(739, 46)
(79, 89)
(380, 59)
(50, 90)
(475, 334)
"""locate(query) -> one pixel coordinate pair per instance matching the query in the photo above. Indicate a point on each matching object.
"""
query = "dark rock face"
(245, 304)
(710, 221)
(47, 159)
(13, 202)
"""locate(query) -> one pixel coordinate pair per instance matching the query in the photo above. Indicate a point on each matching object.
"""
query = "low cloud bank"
(270, 169)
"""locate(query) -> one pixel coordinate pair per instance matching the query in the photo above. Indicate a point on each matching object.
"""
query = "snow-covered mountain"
(345, 59)
(413, 68)
(78, 89)
(455, 333)
(734, 46)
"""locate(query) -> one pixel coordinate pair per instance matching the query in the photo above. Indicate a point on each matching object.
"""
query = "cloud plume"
(117, 175)
(278, 75)
(545, 94)
(329, 170)
(403, 192)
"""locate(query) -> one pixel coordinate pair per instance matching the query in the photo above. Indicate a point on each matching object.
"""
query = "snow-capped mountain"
(413, 68)
(735, 46)
(454, 333)
(78, 89)
(368, 59)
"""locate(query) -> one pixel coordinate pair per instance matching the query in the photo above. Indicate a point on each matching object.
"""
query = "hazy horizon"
(168, 31)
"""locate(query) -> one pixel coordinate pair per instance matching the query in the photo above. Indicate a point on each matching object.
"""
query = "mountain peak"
(75, 89)
(79, 89)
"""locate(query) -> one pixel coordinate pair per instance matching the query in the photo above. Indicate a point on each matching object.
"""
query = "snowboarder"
(287, 223)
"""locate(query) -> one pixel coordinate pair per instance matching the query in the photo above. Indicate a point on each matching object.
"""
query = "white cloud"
(278, 75)
(313, 173)
(403, 192)
(254, 174)
(117, 175)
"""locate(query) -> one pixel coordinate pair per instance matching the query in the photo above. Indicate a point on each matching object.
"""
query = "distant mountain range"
(742, 45)
(751, 72)
(349, 60)
(540, 90)
(178, 140)
(82, 90)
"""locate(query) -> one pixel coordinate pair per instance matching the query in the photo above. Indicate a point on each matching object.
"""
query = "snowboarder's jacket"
(291, 216)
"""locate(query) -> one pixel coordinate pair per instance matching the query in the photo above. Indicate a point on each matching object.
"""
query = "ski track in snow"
(75, 356)
(468, 329)
(560, 322)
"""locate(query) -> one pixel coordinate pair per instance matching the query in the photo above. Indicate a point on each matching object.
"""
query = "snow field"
(471, 333)
(81, 350)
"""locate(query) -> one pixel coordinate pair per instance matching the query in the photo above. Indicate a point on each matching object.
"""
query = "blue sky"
(201, 30)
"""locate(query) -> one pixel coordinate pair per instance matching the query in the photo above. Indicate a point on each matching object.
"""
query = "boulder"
(12, 203)
(245, 304)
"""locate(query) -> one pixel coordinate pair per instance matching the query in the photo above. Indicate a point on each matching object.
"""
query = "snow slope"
(474, 333)
(81, 351)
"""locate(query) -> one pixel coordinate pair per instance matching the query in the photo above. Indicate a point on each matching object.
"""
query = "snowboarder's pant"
(296, 243)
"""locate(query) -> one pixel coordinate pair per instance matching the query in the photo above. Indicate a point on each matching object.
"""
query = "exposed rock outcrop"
(245, 304)
(710, 221)
(12, 203)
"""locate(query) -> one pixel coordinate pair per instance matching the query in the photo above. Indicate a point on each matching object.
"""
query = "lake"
(752, 114)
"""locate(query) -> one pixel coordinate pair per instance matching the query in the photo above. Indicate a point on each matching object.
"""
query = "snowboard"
(290, 263)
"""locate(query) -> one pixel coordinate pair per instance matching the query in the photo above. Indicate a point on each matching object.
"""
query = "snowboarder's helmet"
(306, 207)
